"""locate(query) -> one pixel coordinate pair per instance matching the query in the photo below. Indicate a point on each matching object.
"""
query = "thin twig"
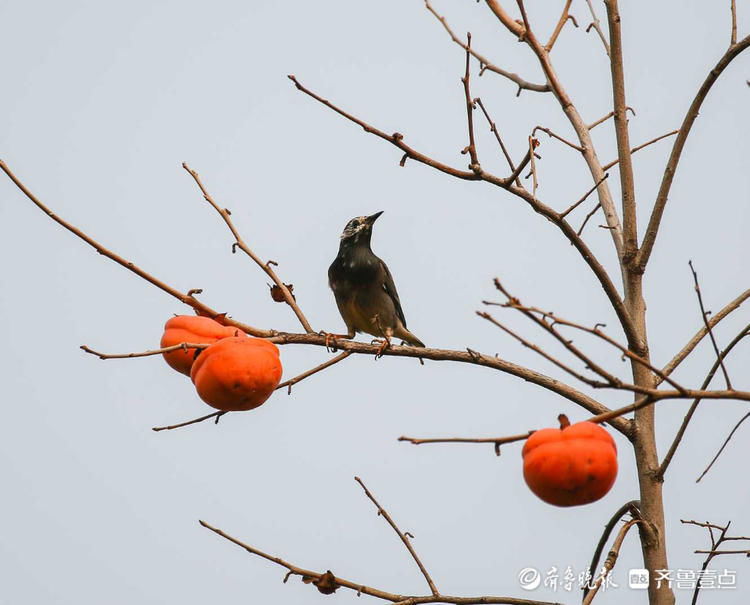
(733, 39)
(704, 315)
(585, 196)
(588, 216)
(560, 24)
(532, 144)
(496, 441)
(597, 26)
(404, 538)
(721, 449)
(686, 420)
(287, 383)
(494, 130)
(607, 117)
(486, 64)
(335, 582)
(471, 148)
(186, 298)
(537, 349)
(266, 267)
(183, 345)
(558, 137)
(641, 146)
(216, 415)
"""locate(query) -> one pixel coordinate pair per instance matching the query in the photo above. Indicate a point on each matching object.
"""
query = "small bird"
(364, 290)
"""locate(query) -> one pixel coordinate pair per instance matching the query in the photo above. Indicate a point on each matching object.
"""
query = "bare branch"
(627, 183)
(535, 183)
(292, 381)
(240, 243)
(558, 137)
(721, 449)
(611, 559)
(597, 26)
(493, 130)
(733, 38)
(560, 24)
(187, 299)
(471, 148)
(585, 195)
(496, 441)
(708, 326)
(588, 216)
(486, 64)
(652, 230)
(287, 383)
(183, 345)
(629, 507)
(332, 582)
(693, 342)
(607, 117)
(641, 146)
(215, 415)
(404, 538)
(686, 420)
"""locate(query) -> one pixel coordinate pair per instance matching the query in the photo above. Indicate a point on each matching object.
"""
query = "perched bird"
(363, 287)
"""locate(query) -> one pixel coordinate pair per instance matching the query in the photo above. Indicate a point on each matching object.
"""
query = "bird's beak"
(372, 218)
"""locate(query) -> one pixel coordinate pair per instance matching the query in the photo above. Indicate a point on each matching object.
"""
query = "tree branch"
(704, 315)
(328, 583)
(266, 267)
(627, 183)
(485, 63)
(187, 298)
(639, 147)
(721, 449)
(686, 420)
(629, 507)
(666, 184)
(404, 537)
(471, 148)
(611, 559)
(560, 24)
(595, 24)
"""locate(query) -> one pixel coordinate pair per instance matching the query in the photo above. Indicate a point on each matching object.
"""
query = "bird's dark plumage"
(363, 286)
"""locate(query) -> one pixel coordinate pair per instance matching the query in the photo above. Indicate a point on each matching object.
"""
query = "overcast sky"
(101, 103)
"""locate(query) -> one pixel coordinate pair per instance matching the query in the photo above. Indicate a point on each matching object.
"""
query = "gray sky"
(102, 102)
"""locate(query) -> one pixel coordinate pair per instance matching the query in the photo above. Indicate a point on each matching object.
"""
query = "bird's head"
(359, 229)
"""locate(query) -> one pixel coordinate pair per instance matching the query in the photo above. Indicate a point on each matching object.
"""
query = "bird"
(364, 290)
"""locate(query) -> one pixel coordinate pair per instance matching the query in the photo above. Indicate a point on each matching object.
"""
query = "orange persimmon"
(575, 464)
(195, 329)
(237, 373)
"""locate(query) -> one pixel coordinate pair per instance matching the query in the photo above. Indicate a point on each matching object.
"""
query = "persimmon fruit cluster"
(573, 465)
(233, 373)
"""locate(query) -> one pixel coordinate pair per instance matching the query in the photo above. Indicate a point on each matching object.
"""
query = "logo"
(638, 579)
(529, 578)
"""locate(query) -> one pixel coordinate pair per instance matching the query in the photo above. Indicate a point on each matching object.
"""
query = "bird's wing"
(390, 290)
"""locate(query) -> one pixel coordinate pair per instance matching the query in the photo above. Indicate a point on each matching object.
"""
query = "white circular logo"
(529, 578)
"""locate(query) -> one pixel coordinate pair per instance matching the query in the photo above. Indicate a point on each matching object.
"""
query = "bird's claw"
(384, 344)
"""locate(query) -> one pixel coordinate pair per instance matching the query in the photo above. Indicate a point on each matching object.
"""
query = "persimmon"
(237, 373)
(195, 329)
(573, 465)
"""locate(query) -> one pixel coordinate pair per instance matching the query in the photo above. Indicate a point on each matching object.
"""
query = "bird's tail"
(408, 337)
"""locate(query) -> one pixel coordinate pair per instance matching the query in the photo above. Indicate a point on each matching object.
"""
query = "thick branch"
(666, 184)
(627, 184)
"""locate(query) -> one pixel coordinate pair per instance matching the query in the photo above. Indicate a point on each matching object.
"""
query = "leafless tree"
(648, 383)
